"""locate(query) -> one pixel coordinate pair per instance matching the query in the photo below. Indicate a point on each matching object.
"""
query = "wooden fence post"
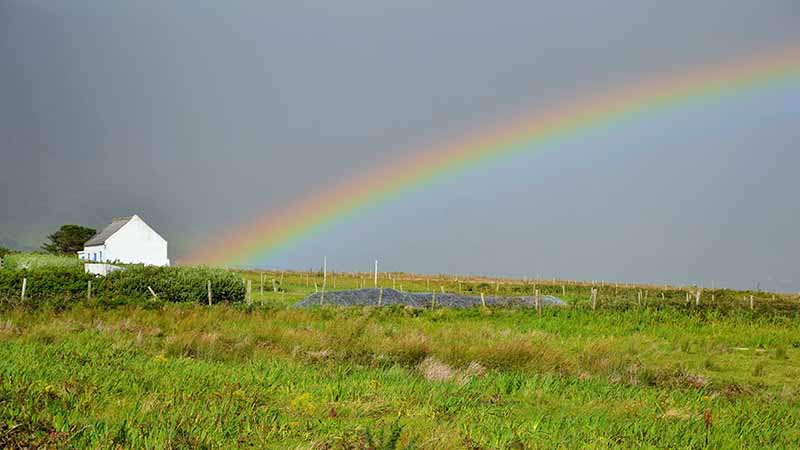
(324, 272)
(433, 299)
(640, 298)
(483, 300)
(250, 292)
(209, 292)
(563, 290)
(375, 280)
(538, 303)
(152, 292)
(262, 284)
(752, 305)
(89, 291)
(380, 297)
(594, 299)
(274, 286)
(697, 297)
(24, 285)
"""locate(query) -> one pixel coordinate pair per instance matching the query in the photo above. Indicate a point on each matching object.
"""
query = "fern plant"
(388, 438)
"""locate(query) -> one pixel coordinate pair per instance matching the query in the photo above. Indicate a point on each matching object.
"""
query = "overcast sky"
(198, 115)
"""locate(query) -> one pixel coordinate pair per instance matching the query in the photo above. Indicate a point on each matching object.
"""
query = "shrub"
(175, 284)
(43, 283)
(70, 282)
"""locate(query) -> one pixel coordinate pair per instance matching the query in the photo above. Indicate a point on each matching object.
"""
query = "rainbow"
(274, 231)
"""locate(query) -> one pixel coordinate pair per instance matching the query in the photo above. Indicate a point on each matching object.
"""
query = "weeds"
(388, 438)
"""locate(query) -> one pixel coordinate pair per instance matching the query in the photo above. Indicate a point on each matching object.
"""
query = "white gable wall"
(135, 243)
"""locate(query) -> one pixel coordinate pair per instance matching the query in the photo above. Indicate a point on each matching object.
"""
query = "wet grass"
(226, 376)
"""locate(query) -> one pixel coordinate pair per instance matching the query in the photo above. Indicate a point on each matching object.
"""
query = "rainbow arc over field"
(276, 230)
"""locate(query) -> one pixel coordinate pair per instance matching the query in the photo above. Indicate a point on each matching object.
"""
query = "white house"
(126, 240)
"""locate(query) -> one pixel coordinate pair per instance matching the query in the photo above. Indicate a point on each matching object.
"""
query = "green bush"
(171, 284)
(44, 285)
(175, 284)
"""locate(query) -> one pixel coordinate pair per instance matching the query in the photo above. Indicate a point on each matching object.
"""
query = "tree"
(68, 240)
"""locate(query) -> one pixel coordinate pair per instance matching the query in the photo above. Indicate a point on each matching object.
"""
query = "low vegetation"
(59, 281)
(34, 261)
(665, 374)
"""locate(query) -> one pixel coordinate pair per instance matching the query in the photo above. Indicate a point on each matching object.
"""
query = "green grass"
(273, 376)
(39, 260)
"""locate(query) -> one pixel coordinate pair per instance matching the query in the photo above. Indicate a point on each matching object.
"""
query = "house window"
(94, 256)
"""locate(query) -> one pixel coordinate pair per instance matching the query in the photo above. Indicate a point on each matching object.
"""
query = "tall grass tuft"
(388, 438)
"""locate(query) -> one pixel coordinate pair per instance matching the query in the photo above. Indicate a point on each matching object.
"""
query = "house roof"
(101, 237)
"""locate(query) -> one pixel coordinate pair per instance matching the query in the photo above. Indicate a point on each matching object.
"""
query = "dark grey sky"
(198, 115)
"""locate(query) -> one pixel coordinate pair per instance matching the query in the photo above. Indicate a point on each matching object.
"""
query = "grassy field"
(37, 260)
(665, 374)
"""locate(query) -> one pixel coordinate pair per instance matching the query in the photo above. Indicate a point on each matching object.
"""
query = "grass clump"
(388, 438)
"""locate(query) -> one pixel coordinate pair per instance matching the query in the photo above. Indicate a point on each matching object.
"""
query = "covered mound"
(373, 297)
